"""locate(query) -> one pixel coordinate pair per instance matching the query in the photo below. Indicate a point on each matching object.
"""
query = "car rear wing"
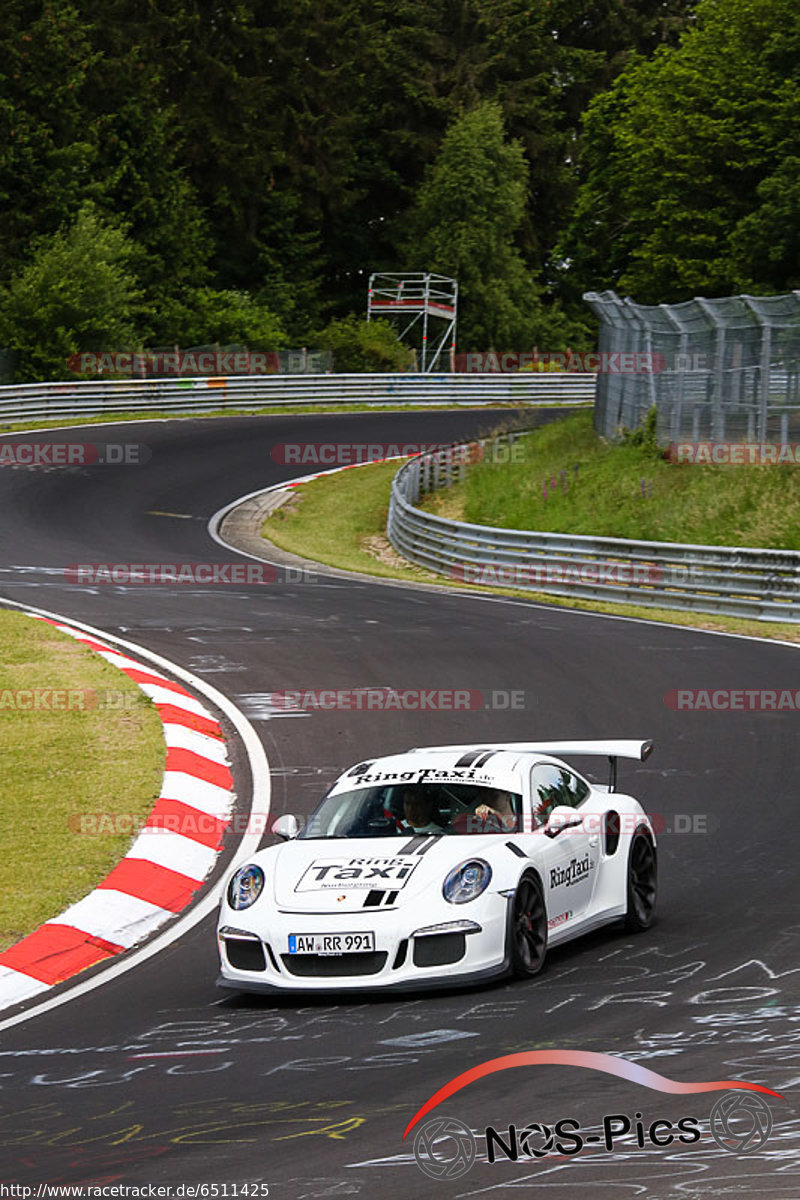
(612, 750)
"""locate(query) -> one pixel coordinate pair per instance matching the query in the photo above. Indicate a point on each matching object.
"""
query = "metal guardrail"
(88, 398)
(764, 584)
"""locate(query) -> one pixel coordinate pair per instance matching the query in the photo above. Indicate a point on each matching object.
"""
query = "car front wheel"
(528, 928)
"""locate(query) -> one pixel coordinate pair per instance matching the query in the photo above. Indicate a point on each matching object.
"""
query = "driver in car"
(419, 812)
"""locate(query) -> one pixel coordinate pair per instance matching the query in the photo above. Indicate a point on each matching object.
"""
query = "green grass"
(334, 519)
(62, 766)
(571, 482)
(331, 520)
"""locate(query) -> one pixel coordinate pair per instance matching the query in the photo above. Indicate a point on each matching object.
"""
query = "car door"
(571, 858)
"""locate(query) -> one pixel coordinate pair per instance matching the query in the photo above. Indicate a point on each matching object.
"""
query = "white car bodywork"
(346, 913)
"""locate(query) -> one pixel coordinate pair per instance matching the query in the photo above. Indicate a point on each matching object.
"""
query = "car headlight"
(245, 886)
(467, 881)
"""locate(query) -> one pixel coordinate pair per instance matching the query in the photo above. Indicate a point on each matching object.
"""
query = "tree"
(47, 144)
(464, 221)
(689, 173)
(231, 317)
(427, 64)
(77, 293)
(275, 147)
(87, 116)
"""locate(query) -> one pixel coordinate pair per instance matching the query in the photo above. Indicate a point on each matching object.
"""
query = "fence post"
(717, 401)
(766, 358)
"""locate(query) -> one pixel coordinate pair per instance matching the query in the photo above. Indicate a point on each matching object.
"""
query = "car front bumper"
(444, 949)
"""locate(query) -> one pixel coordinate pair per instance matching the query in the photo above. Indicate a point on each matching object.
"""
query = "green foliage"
(571, 482)
(690, 163)
(467, 221)
(85, 117)
(47, 140)
(431, 62)
(78, 292)
(364, 346)
(644, 438)
(232, 317)
(467, 212)
(282, 151)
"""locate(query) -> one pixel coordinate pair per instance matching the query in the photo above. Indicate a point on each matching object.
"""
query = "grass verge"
(340, 520)
(103, 753)
(564, 479)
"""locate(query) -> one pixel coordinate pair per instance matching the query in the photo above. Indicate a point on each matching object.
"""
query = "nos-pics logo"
(446, 1148)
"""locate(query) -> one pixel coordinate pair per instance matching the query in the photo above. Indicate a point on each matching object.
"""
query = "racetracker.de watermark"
(751, 454)
(386, 699)
(196, 824)
(347, 454)
(174, 362)
(593, 362)
(74, 454)
(614, 574)
(188, 822)
(53, 699)
(198, 574)
(733, 700)
(134, 1191)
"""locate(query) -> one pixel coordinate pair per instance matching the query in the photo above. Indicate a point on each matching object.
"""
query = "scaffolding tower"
(414, 296)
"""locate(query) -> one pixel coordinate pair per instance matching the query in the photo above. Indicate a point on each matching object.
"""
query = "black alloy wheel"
(528, 928)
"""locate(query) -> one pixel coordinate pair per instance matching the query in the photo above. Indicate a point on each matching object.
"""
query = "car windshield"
(409, 809)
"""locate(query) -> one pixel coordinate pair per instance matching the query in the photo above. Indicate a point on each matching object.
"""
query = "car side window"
(578, 788)
(552, 786)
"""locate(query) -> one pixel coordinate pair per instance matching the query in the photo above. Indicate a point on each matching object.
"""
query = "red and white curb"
(167, 863)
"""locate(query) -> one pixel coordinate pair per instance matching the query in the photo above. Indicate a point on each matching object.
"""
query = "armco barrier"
(89, 398)
(764, 584)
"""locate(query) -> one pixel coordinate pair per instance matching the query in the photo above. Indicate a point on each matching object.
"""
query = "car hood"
(350, 874)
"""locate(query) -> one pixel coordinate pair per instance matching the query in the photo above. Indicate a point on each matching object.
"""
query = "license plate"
(331, 943)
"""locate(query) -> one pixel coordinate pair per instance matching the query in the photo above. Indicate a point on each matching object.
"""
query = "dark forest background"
(192, 173)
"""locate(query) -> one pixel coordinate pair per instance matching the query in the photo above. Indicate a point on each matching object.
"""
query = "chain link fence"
(724, 370)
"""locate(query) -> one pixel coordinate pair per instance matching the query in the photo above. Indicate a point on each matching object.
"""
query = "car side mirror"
(562, 817)
(286, 826)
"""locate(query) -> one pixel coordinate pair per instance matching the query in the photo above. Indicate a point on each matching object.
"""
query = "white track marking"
(174, 851)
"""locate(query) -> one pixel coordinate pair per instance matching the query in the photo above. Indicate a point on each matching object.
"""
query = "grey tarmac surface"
(158, 1077)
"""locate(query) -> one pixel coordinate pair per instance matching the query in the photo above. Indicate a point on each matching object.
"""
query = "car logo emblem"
(341, 897)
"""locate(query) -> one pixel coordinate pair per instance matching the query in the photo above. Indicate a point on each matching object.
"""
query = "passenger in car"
(499, 815)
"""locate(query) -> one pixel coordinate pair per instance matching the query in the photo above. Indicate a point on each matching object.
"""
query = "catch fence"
(721, 370)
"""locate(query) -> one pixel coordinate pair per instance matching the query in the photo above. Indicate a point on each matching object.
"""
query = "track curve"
(157, 1077)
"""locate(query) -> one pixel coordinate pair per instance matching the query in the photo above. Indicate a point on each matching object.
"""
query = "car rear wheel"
(528, 928)
(642, 883)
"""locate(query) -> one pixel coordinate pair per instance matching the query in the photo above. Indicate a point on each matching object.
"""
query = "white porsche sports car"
(443, 865)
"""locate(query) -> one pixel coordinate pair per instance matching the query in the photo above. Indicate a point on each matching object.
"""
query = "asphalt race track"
(159, 1077)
